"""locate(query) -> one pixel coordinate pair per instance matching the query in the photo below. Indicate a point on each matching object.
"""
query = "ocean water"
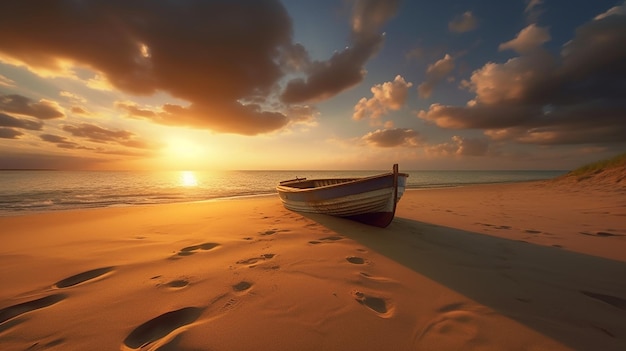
(33, 191)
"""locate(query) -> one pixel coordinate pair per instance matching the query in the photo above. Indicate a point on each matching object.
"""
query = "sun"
(185, 154)
(188, 178)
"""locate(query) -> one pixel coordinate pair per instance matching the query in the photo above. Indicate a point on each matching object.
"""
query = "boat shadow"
(548, 289)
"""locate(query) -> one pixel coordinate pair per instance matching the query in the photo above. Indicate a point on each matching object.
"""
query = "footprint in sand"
(190, 250)
(455, 323)
(494, 226)
(355, 260)
(82, 277)
(162, 329)
(25, 307)
(375, 278)
(376, 304)
(252, 261)
(242, 286)
(177, 284)
(327, 239)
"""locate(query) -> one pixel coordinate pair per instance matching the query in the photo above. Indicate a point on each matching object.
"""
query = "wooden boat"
(370, 200)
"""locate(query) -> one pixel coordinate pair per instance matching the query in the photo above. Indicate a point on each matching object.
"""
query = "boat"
(370, 200)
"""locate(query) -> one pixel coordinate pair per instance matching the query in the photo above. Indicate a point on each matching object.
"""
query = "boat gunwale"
(348, 181)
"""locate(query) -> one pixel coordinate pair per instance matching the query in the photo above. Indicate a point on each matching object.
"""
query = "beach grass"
(594, 168)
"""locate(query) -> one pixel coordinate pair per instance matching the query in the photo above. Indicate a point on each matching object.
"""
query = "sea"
(26, 191)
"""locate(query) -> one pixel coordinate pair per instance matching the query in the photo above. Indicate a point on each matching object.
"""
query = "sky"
(298, 84)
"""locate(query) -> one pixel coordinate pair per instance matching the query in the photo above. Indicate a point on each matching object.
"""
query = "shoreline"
(497, 266)
(4, 213)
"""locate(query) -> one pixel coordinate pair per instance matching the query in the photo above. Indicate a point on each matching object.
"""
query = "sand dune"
(528, 266)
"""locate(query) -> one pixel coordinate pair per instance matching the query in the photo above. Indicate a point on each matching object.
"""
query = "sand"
(527, 266)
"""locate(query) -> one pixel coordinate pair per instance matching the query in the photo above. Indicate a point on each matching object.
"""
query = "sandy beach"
(525, 266)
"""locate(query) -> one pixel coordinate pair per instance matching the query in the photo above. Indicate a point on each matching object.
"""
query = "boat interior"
(303, 183)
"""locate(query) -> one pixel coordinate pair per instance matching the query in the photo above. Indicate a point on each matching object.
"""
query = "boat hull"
(369, 200)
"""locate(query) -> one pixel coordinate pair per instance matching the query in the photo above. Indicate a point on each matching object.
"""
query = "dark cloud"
(53, 138)
(9, 133)
(226, 58)
(18, 104)
(393, 137)
(213, 54)
(61, 142)
(10, 121)
(65, 143)
(345, 68)
(576, 98)
(99, 134)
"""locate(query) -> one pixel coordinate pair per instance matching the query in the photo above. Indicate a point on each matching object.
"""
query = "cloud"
(79, 110)
(520, 80)
(463, 23)
(9, 133)
(250, 119)
(460, 146)
(537, 98)
(10, 121)
(529, 39)
(304, 115)
(392, 137)
(532, 4)
(216, 55)
(213, 54)
(65, 143)
(345, 68)
(435, 74)
(74, 98)
(6, 82)
(386, 96)
(18, 104)
(98, 134)
(62, 142)
(616, 10)
(533, 10)
(134, 111)
(597, 47)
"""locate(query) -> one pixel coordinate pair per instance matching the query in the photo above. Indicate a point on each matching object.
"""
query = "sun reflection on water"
(188, 178)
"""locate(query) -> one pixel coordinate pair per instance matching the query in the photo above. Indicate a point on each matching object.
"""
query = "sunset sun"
(183, 153)
(188, 178)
